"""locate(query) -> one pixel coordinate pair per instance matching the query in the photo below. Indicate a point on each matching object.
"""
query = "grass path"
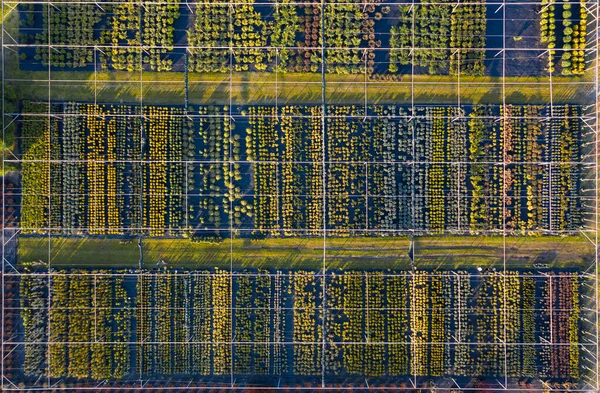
(262, 88)
(443, 252)
(5, 10)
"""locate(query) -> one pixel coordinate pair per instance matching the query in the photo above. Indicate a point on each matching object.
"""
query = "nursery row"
(88, 325)
(219, 185)
(436, 169)
(115, 172)
(445, 168)
(96, 181)
(124, 27)
(570, 36)
(68, 25)
(36, 134)
(375, 324)
(437, 30)
(531, 196)
(353, 30)
(436, 37)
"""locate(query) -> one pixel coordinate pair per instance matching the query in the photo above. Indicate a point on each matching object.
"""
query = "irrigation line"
(35, 232)
(49, 153)
(382, 196)
(301, 3)
(141, 186)
(265, 309)
(141, 198)
(63, 115)
(504, 192)
(260, 389)
(95, 78)
(540, 274)
(597, 223)
(324, 192)
(413, 190)
(340, 162)
(187, 81)
(366, 196)
(230, 190)
(384, 83)
(273, 48)
(315, 343)
(187, 187)
(3, 331)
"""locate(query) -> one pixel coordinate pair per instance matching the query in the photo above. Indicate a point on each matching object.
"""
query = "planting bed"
(384, 39)
(271, 323)
(174, 172)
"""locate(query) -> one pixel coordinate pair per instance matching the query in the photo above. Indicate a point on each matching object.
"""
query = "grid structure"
(325, 91)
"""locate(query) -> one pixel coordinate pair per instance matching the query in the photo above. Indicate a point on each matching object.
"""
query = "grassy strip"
(342, 253)
(11, 96)
(6, 10)
(251, 89)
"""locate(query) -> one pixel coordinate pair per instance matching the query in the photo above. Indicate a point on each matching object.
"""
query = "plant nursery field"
(176, 172)
(383, 39)
(300, 196)
(377, 324)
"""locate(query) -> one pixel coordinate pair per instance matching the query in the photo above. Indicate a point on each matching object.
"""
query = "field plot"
(223, 196)
(265, 324)
(381, 40)
(189, 173)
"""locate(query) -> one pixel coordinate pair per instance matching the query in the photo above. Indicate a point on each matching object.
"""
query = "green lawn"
(444, 252)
